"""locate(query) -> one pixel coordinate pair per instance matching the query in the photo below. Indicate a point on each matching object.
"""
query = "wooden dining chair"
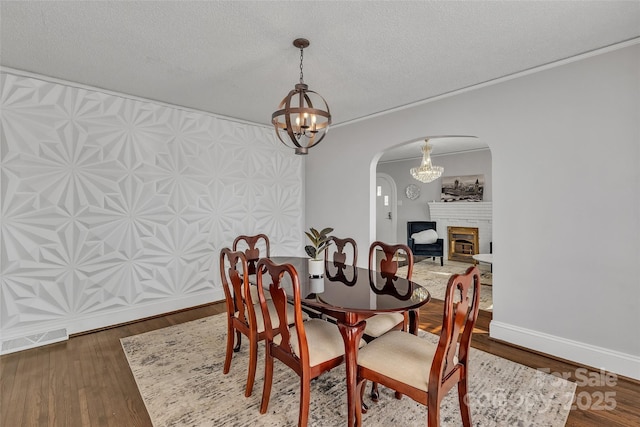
(340, 259)
(251, 245)
(385, 258)
(244, 316)
(339, 254)
(309, 348)
(422, 370)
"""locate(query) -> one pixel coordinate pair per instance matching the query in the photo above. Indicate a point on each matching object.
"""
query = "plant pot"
(316, 285)
(316, 267)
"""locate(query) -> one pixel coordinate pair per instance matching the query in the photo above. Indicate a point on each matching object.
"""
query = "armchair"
(434, 250)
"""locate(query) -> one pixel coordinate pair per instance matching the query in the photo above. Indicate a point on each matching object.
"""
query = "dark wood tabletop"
(355, 289)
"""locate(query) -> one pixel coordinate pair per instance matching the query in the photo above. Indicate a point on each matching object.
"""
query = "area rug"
(435, 278)
(178, 371)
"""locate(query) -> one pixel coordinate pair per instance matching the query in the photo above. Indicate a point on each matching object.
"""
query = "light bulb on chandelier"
(426, 172)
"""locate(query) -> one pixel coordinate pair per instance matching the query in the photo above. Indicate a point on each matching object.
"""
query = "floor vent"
(35, 340)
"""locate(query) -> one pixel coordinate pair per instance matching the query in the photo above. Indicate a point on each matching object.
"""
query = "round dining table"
(350, 295)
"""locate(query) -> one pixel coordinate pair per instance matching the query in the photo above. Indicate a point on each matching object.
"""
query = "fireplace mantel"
(475, 211)
(464, 214)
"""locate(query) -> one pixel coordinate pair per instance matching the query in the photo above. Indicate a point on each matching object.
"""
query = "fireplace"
(464, 214)
(463, 243)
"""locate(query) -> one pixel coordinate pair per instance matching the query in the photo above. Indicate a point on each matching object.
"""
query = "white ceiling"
(236, 58)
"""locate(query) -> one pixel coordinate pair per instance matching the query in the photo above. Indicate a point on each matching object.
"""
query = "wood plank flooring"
(86, 380)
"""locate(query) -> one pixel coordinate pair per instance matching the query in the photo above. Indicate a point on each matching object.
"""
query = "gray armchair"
(434, 250)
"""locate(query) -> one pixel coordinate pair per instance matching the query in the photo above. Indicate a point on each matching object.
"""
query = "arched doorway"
(458, 161)
(386, 208)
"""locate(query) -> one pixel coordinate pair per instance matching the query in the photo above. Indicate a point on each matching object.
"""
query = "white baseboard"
(23, 338)
(141, 312)
(585, 354)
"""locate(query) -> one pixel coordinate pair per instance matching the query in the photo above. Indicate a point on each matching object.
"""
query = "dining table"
(350, 294)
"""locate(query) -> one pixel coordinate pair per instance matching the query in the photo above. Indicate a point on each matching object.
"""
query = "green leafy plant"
(319, 241)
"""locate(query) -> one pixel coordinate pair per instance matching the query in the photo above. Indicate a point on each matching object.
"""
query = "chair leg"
(413, 321)
(268, 378)
(227, 358)
(441, 261)
(360, 386)
(374, 391)
(253, 361)
(433, 410)
(305, 400)
(465, 411)
(239, 337)
(361, 408)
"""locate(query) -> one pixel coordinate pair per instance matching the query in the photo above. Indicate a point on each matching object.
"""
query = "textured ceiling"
(236, 59)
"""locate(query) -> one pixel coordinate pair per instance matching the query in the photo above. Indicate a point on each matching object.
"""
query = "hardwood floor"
(86, 380)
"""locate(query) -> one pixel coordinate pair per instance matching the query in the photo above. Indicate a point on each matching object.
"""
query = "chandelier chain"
(301, 57)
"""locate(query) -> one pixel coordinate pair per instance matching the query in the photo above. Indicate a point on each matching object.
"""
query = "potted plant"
(319, 241)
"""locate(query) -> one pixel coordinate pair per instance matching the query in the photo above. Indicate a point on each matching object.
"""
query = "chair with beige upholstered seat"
(251, 246)
(345, 252)
(244, 315)
(385, 259)
(339, 259)
(254, 247)
(308, 348)
(420, 369)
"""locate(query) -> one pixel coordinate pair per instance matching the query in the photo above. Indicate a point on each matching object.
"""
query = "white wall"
(565, 146)
(115, 208)
(470, 163)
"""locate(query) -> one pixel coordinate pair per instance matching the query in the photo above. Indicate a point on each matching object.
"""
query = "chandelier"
(303, 118)
(426, 172)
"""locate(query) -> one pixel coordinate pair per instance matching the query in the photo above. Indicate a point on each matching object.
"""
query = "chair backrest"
(274, 275)
(339, 261)
(418, 226)
(251, 246)
(234, 272)
(462, 300)
(387, 261)
(340, 255)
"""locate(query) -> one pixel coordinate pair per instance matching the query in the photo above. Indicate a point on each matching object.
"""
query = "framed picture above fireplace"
(466, 188)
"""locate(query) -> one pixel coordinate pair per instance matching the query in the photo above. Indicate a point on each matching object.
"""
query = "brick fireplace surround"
(463, 214)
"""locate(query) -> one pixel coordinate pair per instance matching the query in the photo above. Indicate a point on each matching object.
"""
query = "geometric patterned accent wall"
(112, 204)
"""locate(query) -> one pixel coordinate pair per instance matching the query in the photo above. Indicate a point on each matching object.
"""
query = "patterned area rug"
(179, 374)
(431, 275)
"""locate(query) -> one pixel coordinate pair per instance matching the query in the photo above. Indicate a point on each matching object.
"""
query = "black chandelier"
(303, 116)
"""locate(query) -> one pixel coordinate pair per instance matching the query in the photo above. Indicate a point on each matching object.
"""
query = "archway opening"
(462, 160)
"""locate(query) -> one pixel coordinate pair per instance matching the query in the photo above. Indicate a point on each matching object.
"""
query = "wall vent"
(36, 340)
